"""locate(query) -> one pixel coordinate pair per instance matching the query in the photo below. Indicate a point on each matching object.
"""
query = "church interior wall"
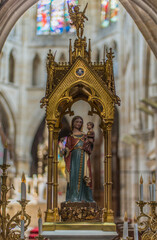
(135, 80)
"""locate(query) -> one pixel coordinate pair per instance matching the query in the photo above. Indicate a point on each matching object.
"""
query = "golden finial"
(135, 219)
(150, 182)
(141, 180)
(125, 217)
(23, 178)
(39, 213)
(22, 217)
(154, 178)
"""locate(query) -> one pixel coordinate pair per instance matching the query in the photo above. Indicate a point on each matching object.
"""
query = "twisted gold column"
(55, 176)
(110, 216)
(48, 217)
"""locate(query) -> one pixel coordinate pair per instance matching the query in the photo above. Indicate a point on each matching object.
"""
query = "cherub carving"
(77, 18)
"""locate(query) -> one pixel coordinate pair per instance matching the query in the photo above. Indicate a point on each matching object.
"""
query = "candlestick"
(153, 188)
(150, 189)
(23, 187)
(141, 188)
(40, 221)
(125, 227)
(22, 227)
(4, 156)
(135, 228)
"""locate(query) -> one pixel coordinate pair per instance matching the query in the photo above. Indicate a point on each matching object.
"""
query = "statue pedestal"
(79, 230)
(79, 234)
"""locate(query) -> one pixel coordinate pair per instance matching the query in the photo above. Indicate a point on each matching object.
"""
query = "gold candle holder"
(147, 223)
(8, 223)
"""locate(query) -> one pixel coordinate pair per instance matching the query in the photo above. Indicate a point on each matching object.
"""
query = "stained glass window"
(109, 12)
(53, 17)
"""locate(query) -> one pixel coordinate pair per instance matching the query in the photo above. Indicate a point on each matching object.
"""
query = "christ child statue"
(90, 133)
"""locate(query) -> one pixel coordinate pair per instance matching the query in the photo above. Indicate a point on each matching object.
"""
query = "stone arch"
(36, 70)
(8, 120)
(11, 68)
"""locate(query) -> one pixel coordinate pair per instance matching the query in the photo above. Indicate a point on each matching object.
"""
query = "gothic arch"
(10, 121)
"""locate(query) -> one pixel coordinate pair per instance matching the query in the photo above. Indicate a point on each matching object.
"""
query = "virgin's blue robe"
(74, 146)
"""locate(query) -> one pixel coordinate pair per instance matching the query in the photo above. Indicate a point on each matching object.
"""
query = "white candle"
(22, 227)
(141, 189)
(40, 225)
(135, 229)
(150, 189)
(23, 187)
(153, 188)
(40, 221)
(125, 227)
(5, 156)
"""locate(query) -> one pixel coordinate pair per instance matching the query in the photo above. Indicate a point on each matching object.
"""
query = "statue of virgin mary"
(78, 167)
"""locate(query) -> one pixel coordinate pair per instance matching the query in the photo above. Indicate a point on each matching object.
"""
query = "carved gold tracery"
(65, 86)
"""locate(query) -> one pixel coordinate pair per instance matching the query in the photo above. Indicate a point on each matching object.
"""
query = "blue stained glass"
(43, 17)
(53, 17)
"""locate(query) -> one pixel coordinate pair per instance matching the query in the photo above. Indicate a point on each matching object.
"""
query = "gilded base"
(80, 212)
(52, 215)
(52, 226)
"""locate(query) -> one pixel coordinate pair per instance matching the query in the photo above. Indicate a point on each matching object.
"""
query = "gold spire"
(125, 217)
(141, 180)
(23, 178)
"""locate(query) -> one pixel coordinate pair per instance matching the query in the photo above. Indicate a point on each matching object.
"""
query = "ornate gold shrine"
(79, 79)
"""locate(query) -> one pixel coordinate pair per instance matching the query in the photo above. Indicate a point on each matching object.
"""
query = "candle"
(5, 156)
(23, 187)
(135, 228)
(125, 227)
(141, 189)
(40, 221)
(150, 189)
(153, 188)
(22, 227)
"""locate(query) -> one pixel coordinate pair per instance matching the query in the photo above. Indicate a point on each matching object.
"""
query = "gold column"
(110, 216)
(48, 217)
(104, 216)
(55, 176)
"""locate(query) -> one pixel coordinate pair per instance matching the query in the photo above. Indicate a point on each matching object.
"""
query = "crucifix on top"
(77, 18)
